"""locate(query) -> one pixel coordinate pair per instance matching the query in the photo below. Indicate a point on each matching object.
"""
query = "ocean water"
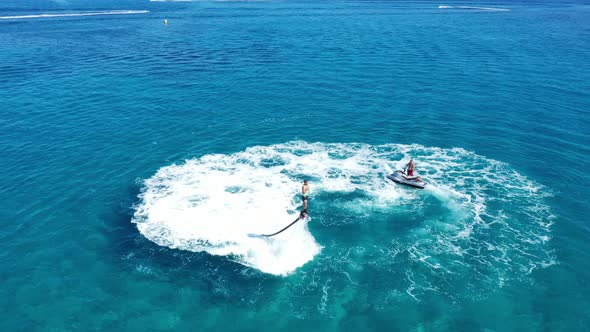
(139, 159)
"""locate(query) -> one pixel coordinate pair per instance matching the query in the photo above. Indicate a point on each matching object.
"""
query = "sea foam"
(214, 202)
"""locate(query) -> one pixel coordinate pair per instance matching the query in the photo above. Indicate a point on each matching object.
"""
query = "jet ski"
(401, 178)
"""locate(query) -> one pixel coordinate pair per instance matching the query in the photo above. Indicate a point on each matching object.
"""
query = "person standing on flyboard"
(305, 196)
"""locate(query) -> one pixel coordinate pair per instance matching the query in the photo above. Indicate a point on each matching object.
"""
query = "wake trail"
(81, 14)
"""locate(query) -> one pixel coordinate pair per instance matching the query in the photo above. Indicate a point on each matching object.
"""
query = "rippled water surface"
(138, 160)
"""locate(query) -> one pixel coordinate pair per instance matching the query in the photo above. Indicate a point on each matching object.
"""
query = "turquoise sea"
(138, 158)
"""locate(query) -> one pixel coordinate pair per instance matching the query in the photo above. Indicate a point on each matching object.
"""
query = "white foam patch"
(495, 221)
(112, 12)
(494, 9)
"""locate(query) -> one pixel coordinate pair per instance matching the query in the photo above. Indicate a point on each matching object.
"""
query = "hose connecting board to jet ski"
(301, 217)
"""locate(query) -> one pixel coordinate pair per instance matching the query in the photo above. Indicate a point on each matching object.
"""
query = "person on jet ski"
(409, 170)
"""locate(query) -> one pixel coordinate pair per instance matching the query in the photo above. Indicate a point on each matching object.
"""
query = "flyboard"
(302, 216)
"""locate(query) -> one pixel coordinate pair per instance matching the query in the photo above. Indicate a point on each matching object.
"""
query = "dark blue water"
(137, 157)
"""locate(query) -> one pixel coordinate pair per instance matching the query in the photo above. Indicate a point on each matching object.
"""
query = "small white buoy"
(165, 21)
